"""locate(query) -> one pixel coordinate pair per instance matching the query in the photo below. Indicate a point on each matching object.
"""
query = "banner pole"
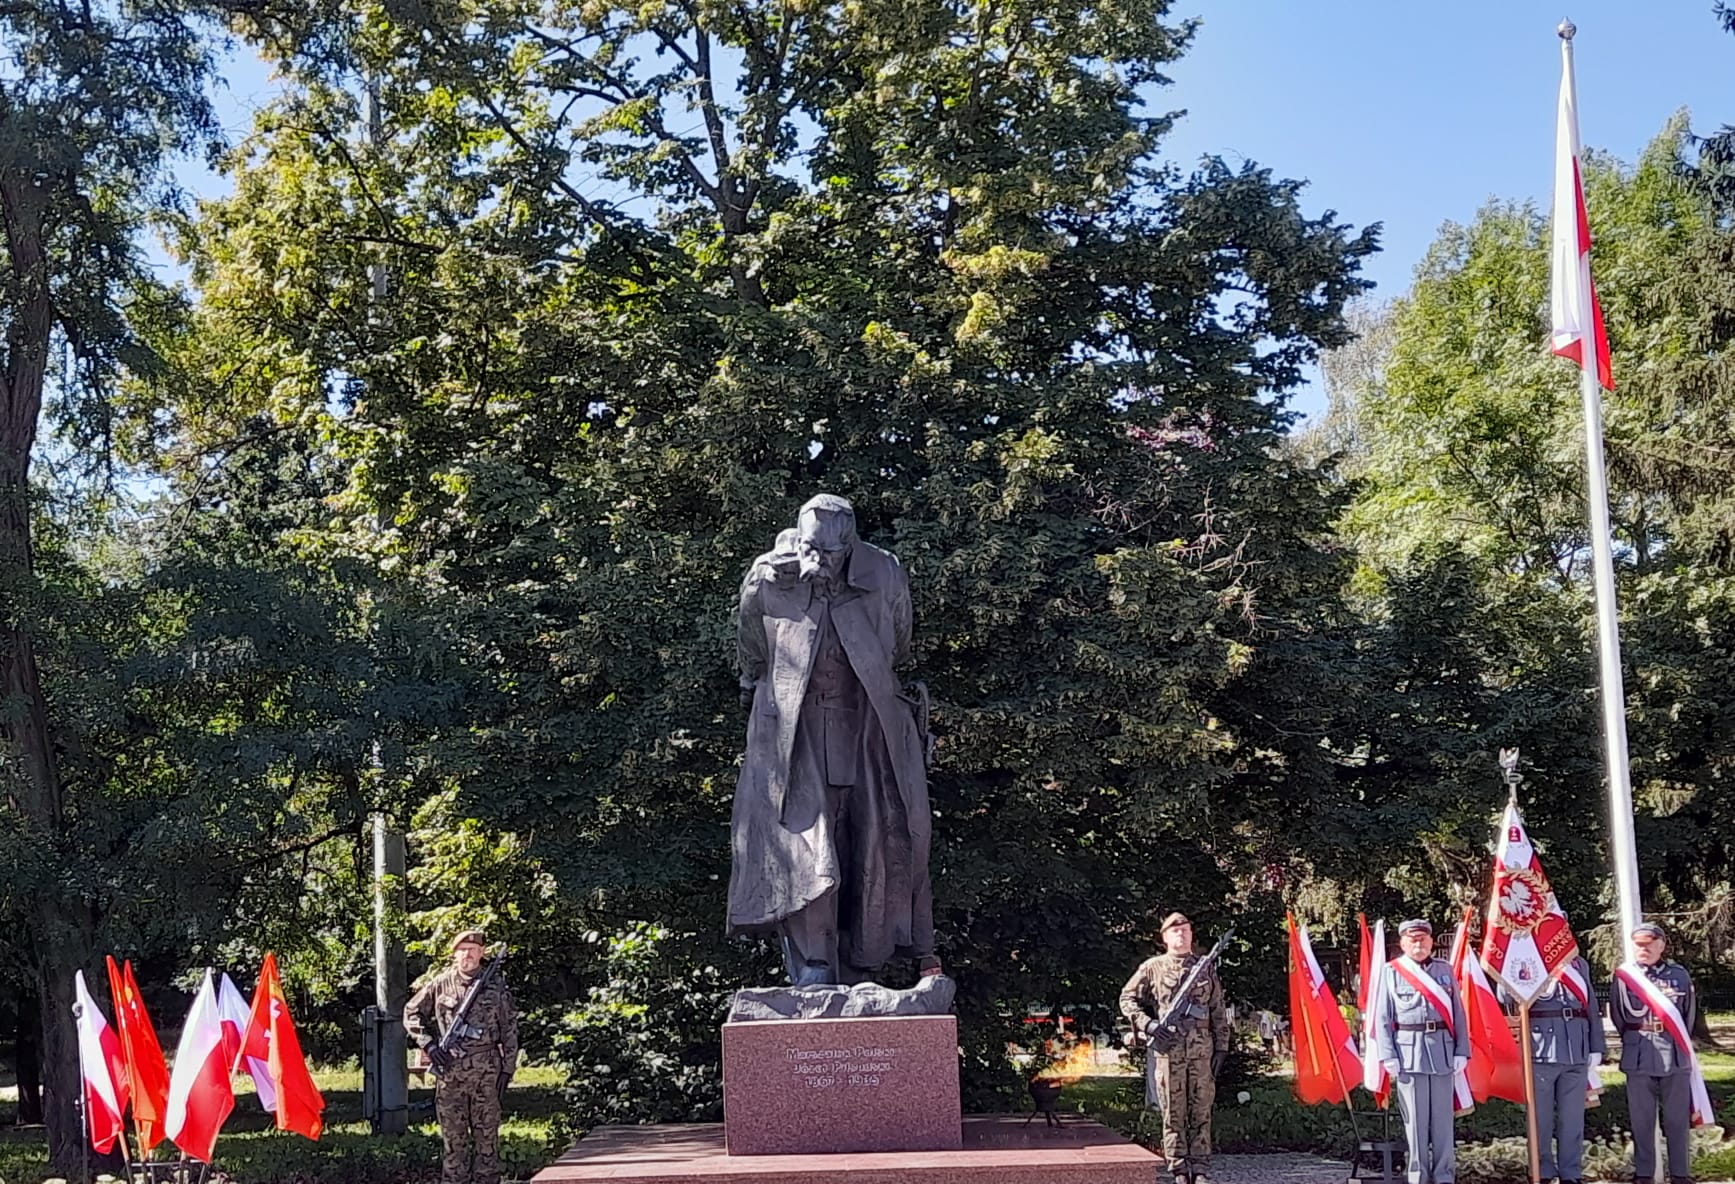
(1530, 1093)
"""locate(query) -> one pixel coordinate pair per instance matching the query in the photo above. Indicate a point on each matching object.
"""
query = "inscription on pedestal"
(795, 1087)
(860, 1067)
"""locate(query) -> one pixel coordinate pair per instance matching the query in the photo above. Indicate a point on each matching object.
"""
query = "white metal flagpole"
(1568, 196)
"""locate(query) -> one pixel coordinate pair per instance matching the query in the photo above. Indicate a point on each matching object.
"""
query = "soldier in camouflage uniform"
(475, 1067)
(1184, 1082)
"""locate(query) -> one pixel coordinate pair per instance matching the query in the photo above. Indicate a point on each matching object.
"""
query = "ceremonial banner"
(1526, 941)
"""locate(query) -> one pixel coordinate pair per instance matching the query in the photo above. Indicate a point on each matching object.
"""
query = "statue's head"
(825, 536)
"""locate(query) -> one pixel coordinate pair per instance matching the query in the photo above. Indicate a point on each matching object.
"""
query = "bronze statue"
(831, 821)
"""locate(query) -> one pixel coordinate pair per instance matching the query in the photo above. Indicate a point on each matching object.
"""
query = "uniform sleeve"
(419, 1015)
(1132, 1002)
(1219, 1016)
(1618, 1012)
(1386, 1022)
(1689, 1003)
(508, 1026)
(751, 651)
(1460, 1024)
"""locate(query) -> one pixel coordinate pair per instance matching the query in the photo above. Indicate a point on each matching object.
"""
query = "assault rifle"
(440, 1053)
(1166, 1032)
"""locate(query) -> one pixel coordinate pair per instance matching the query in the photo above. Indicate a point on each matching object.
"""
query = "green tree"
(1471, 455)
(657, 275)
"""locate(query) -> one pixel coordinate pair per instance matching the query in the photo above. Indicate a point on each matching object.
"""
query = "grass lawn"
(250, 1151)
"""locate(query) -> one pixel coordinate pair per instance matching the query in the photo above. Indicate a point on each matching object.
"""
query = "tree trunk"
(27, 1048)
(60, 928)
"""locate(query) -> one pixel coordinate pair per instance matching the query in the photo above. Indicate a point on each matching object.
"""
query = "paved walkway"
(1292, 1168)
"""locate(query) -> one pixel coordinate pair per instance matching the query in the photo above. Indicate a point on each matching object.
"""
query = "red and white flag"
(1496, 1067)
(1575, 314)
(246, 1044)
(200, 1095)
(1326, 1060)
(300, 1106)
(1526, 941)
(102, 1067)
(1371, 996)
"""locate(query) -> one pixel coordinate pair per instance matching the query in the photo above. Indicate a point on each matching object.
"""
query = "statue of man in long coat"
(831, 822)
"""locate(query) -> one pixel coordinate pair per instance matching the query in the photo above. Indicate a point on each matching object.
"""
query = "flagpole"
(1623, 846)
(1530, 1092)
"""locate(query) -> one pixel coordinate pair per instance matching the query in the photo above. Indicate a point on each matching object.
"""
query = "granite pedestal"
(814, 1087)
(996, 1149)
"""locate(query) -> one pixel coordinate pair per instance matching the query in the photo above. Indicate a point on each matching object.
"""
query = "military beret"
(1413, 924)
(1174, 919)
(474, 936)
(1650, 929)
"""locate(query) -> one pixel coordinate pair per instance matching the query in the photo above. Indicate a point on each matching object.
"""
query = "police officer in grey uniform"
(1658, 1075)
(1421, 1052)
(1566, 1042)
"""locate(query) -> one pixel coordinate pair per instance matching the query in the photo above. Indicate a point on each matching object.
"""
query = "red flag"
(1574, 311)
(147, 1073)
(1374, 1077)
(200, 1094)
(1326, 1060)
(1496, 1068)
(102, 1067)
(299, 1103)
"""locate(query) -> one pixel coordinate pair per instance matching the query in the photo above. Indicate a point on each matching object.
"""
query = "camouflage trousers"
(467, 1104)
(1187, 1091)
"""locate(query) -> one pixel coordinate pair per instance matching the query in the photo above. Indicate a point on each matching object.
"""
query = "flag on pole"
(147, 1074)
(1326, 1060)
(200, 1093)
(1526, 941)
(299, 1104)
(245, 1043)
(1370, 996)
(1496, 1068)
(1575, 314)
(102, 1067)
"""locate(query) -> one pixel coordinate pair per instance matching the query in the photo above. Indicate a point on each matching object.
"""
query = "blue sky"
(1414, 115)
(1406, 114)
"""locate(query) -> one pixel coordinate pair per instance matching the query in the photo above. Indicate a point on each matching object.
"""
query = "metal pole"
(1623, 847)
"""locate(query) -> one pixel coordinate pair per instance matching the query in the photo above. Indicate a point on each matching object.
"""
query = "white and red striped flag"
(103, 1068)
(1374, 1077)
(200, 1093)
(1575, 314)
(246, 1044)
